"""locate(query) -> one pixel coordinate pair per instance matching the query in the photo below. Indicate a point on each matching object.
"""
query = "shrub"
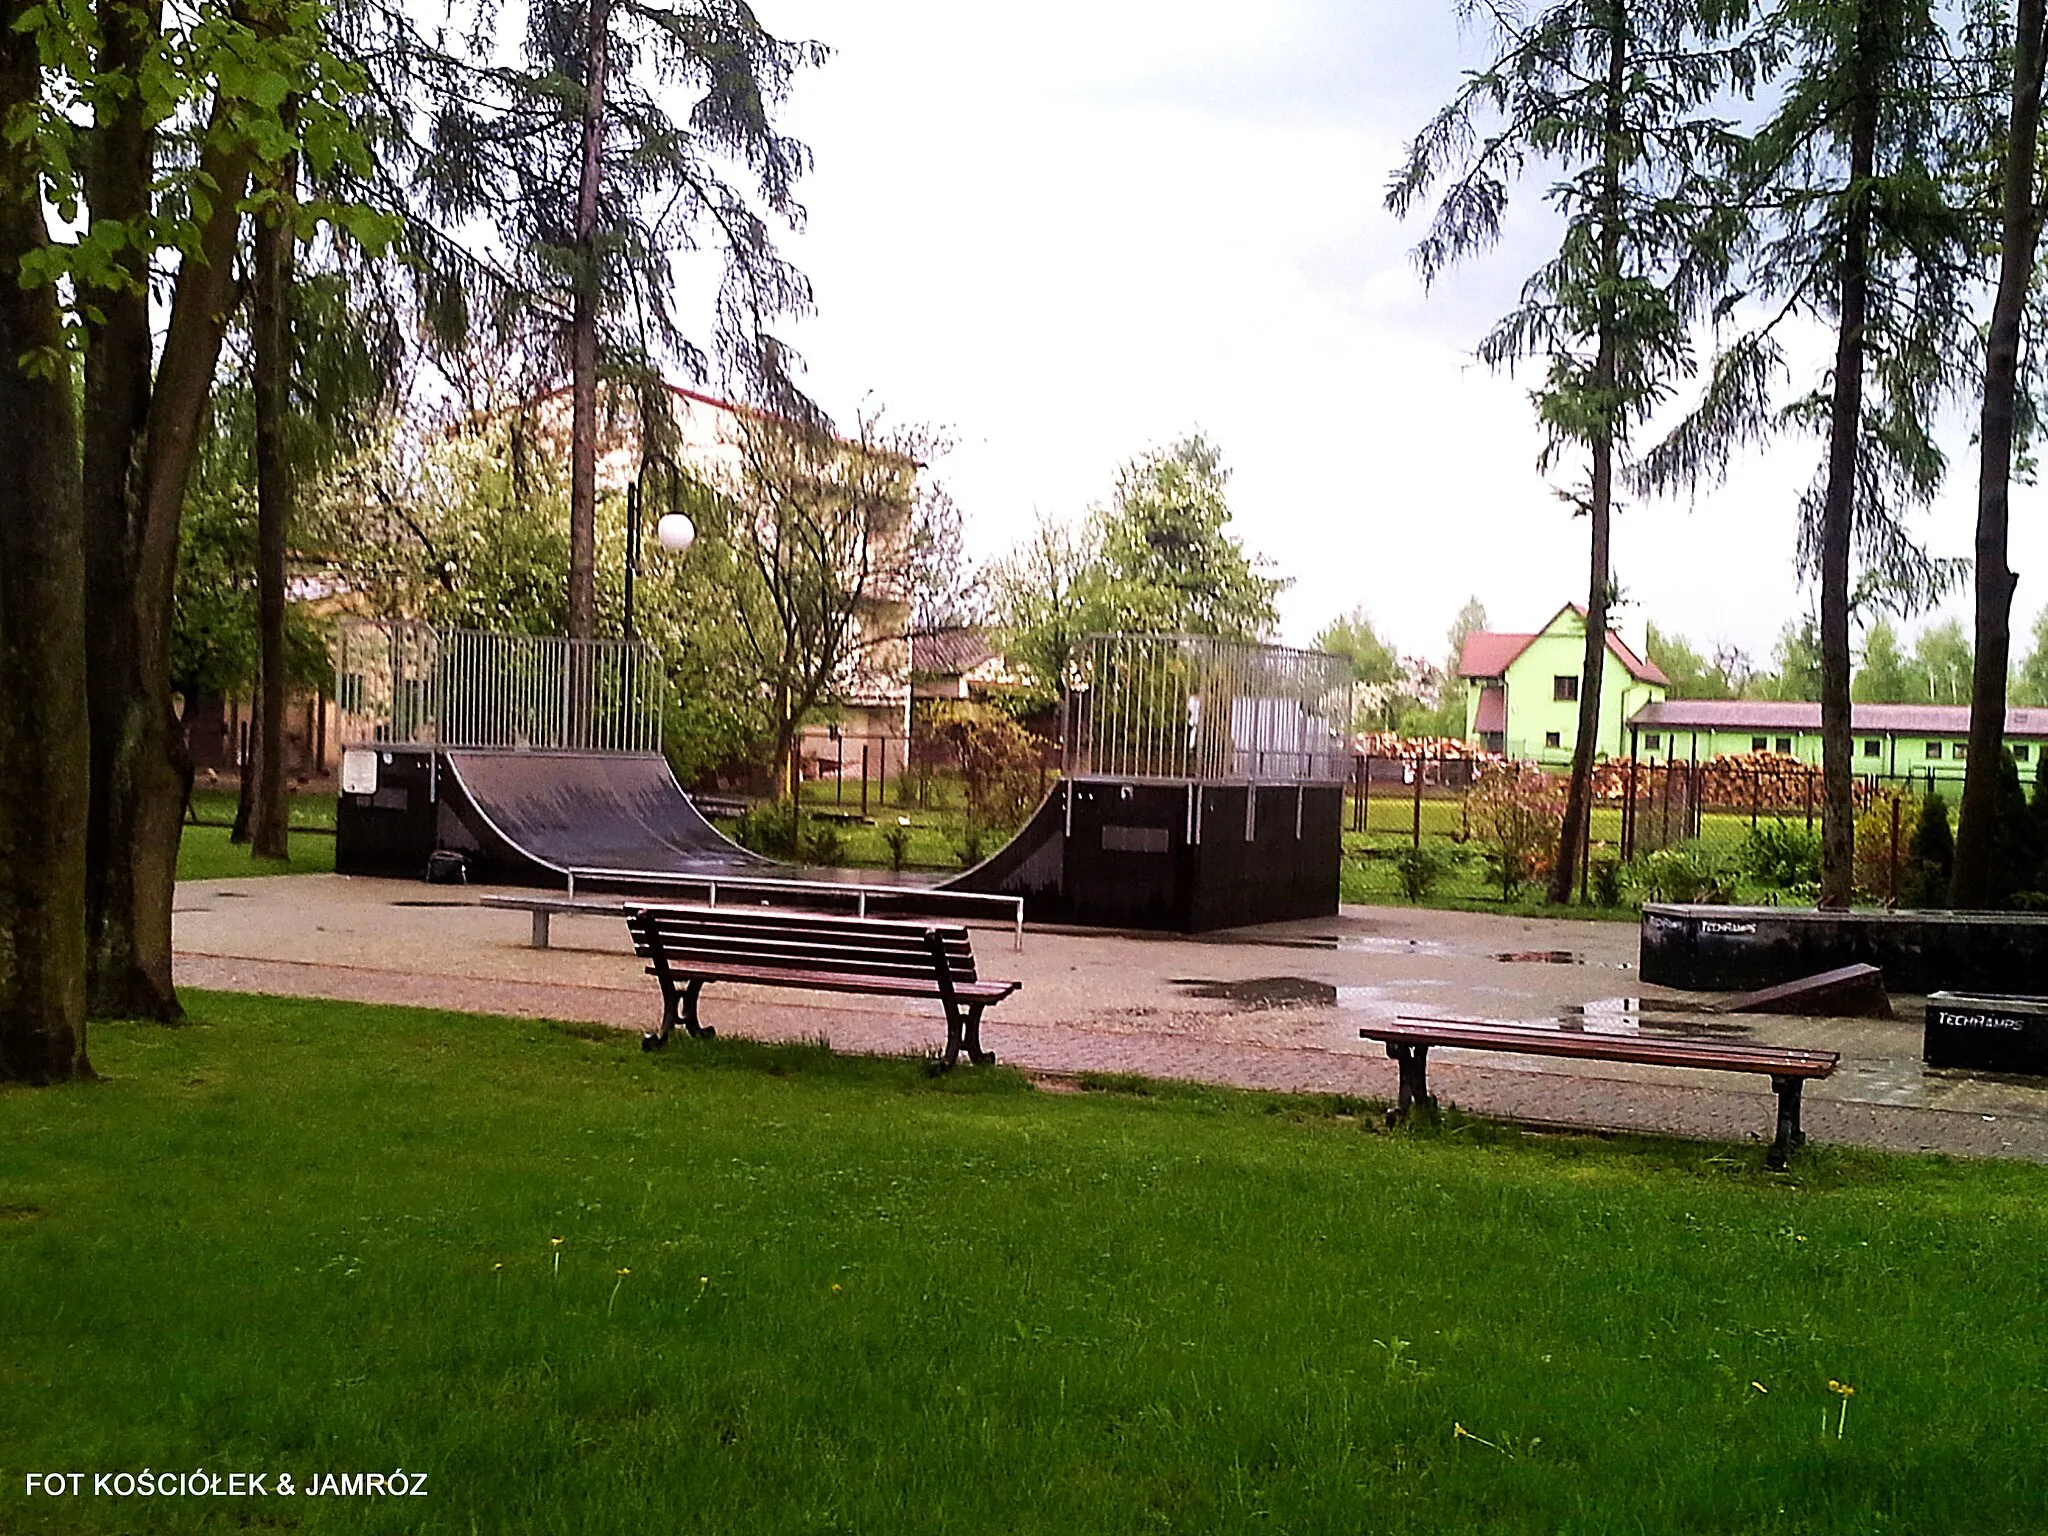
(1876, 874)
(1607, 882)
(1783, 855)
(1517, 812)
(1418, 869)
(898, 840)
(823, 844)
(1683, 872)
(768, 828)
(970, 844)
(1931, 857)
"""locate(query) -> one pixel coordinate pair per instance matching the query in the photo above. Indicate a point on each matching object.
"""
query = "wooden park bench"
(1408, 1042)
(685, 947)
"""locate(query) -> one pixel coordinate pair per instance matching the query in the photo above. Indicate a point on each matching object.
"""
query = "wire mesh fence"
(407, 682)
(1193, 707)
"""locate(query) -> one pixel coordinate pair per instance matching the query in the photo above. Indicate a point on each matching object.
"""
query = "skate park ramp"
(543, 813)
(1031, 864)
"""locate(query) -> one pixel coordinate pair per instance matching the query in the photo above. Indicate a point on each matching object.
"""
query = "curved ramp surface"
(1031, 864)
(542, 813)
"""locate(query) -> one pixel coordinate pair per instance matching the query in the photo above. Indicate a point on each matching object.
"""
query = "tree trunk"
(583, 341)
(43, 746)
(1976, 850)
(1578, 807)
(270, 294)
(141, 769)
(1845, 412)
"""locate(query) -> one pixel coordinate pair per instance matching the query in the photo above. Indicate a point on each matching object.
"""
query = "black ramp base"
(1987, 1032)
(521, 816)
(1189, 858)
(1734, 949)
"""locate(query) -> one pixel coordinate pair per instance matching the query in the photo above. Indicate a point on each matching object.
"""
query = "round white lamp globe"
(675, 532)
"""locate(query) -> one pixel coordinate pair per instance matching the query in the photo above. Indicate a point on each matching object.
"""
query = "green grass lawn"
(204, 852)
(794, 1292)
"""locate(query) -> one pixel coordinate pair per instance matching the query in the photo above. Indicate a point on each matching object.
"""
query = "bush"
(1685, 872)
(1876, 876)
(1607, 882)
(1517, 811)
(1783, 855)
(823, 844)
(768, 828)
(898, 840)
(970, 844)
(1931, 858)
(1418, 869)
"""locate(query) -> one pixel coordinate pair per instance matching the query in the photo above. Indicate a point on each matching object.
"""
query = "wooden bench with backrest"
(1408, 1042)
(685, 947)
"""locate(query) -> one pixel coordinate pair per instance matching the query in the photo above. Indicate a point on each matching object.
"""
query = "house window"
(1785, 746)
(1759, 743)
(1564, 690)
(1933, 751)
(1959, 751)
(1552, 740)
(1872, 748)
(1654, 742)
(2019, 751)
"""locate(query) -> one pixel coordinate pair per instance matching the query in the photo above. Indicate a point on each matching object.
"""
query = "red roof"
(1489, 653)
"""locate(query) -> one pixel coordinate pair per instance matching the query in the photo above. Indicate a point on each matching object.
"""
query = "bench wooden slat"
(846, 981)
(1722, 1056)
(787, 920)
(696, 961)
(755, 949)
(891, 945)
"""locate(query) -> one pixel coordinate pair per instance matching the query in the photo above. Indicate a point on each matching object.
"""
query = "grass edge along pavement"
(736, 1287)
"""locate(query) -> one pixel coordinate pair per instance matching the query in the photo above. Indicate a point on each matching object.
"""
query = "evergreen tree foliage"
(1931, 857)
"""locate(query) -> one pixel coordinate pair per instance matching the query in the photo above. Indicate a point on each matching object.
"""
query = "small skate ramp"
(531, 814)
(1031, 864)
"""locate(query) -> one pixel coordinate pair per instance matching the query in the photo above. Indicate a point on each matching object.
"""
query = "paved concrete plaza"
(1276, 1007)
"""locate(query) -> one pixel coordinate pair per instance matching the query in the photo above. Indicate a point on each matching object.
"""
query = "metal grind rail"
(1013, 906)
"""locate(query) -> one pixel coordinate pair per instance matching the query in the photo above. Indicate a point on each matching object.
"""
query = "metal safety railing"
(407, 682)
(1193, 707)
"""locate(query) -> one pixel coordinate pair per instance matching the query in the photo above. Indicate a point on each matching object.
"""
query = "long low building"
(1890, 739)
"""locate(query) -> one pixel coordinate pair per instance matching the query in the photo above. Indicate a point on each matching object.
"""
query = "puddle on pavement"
(232, 895)
(433, 903)
(1540, 957)
(1262, 991)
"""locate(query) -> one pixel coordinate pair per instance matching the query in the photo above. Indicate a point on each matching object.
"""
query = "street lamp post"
(673, 530)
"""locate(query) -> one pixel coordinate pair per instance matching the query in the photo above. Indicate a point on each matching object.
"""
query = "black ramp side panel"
(1031, 864)
(540, 813)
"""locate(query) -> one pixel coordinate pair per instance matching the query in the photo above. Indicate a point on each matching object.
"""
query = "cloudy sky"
(1071, 231)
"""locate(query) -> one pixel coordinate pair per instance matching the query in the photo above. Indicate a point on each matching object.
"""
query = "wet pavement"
(1275, 1007)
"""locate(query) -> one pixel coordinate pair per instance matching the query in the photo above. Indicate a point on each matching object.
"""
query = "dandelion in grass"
(1844, 1391)
(615, 1291)
(556, 1244)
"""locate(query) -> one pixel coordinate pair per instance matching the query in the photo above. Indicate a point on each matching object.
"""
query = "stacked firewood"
(1391, 744)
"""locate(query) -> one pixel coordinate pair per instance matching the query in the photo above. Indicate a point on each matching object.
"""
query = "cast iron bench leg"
(1789, 1133)
(654, 1040)
(1414, 1064)
(972, 1033)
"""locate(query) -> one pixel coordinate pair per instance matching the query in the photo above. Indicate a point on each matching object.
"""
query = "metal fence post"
(1418, 803)
(1365, 797)
(1894, 879)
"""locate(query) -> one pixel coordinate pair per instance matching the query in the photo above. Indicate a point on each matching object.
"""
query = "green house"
(1888, 740)
(1522, 690)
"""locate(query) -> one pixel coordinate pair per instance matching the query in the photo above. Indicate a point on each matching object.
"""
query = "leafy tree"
(593, 189)
(1376, 671)
(2030, 685)
(142, 129)
(1692, 675)
(1046, 594)
(1886, 676)
(43, 745)
(1986, 801)
(1613, 93)
(1797, 657)
(1941, 657)
(1168, 565)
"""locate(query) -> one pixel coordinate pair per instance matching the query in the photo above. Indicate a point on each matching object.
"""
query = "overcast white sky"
(1071, 231)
